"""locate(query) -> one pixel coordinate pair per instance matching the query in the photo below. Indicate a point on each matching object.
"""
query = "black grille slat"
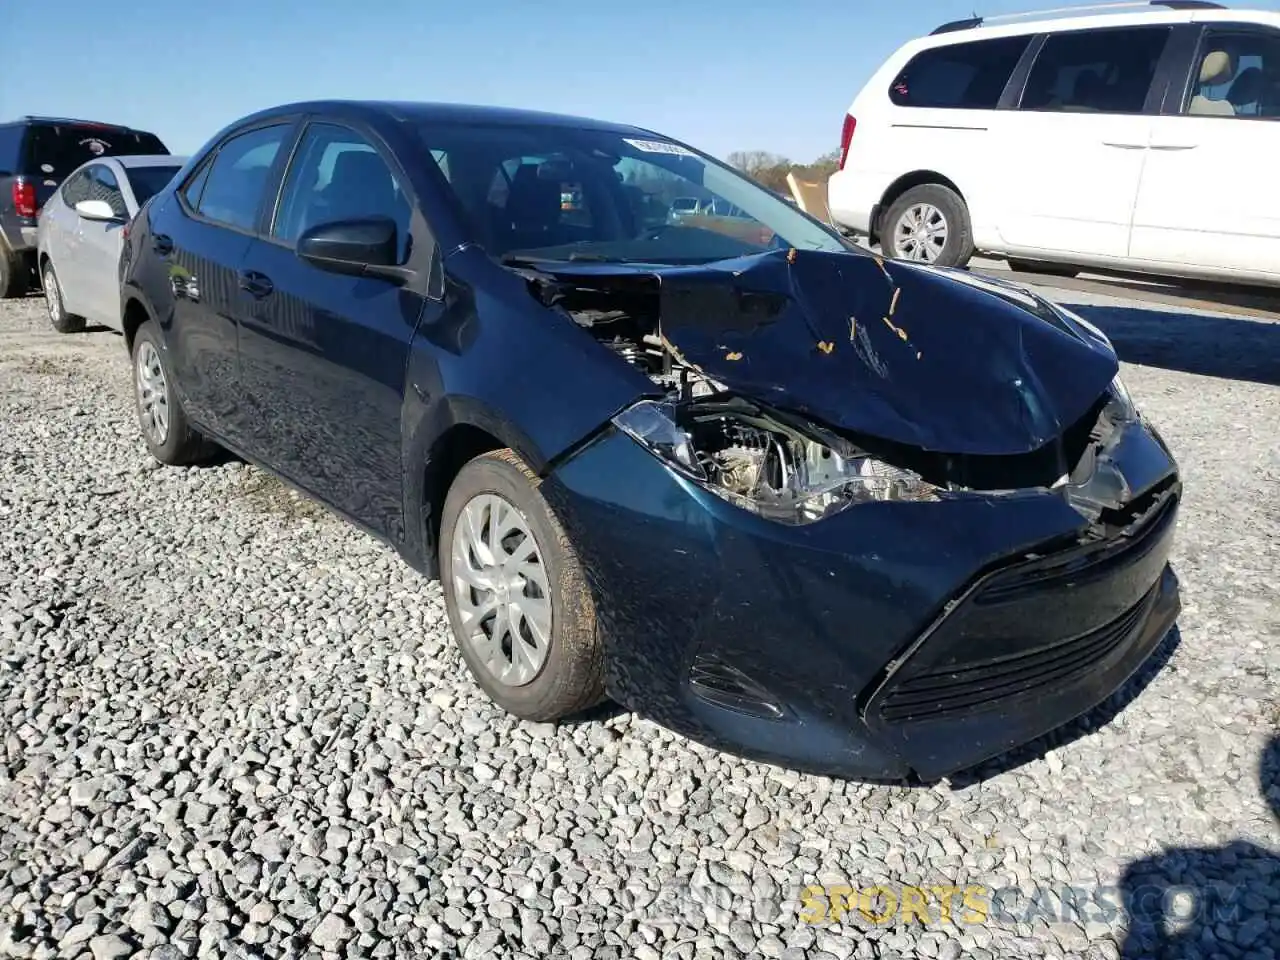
(1033, 671)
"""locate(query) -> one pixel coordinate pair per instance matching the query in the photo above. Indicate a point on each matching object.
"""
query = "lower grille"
(930, 695)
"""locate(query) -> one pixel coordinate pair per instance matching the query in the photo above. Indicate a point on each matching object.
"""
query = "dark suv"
(36, 154)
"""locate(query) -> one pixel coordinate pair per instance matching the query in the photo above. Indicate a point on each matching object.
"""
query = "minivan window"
(1095, 71)
(963, 76)
(233, 187)
(1237, 75)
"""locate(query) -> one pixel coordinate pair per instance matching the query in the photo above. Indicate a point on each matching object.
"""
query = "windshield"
(148, 181)
(55, 151)
(536, 193)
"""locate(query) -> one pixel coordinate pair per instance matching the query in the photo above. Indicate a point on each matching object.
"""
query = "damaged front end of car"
(873, 520)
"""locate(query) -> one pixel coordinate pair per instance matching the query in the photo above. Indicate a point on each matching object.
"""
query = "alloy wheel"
(501, 590)
(153, 393)
(921, 233)
(52, 296)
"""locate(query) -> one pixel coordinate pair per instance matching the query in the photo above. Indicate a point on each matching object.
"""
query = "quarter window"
(1237, 75)
(339, 175)
(232, 189)
(1095, 71)
(965, 76)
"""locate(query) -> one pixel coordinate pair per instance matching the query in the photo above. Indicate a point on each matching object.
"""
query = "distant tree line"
(770, 170)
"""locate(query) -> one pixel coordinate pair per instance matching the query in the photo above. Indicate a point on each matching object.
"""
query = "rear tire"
(517, 597)
(168, 435)
(928, 224)
(13, 276)
(62, 321)
(1043, 267)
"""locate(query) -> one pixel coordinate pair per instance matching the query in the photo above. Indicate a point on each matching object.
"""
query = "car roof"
(424, 112)
(149, 160)
(1062, 20)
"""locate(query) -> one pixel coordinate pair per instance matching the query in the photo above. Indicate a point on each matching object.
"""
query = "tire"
(62, 321)
(1043, 267)
(940, 206)
(561, 677)
(13, 276)
(177, 444)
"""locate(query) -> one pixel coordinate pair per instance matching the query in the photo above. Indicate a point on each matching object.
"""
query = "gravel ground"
(233, 726)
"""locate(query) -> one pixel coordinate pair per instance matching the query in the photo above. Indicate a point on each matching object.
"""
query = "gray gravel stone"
(233, 726)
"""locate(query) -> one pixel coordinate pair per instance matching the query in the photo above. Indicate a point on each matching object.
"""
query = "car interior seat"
(1217, 68)
(362, 186)
(532, 213)
(1246, 89)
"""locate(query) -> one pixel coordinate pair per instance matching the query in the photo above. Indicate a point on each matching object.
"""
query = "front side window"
(963, 76)
(1237, 75)
(76, 188)
(103, 185)
(1095, 71)
(336, 175)
(232, 189)
(536, 192)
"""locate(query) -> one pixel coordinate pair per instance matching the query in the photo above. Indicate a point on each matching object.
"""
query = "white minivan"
(1141, 141)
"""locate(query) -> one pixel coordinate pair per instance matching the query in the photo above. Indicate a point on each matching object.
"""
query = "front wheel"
(168, 435)
(516, 593)
(62, 321)
(928, 224)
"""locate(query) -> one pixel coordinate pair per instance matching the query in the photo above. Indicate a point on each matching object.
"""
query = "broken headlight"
(791, 472)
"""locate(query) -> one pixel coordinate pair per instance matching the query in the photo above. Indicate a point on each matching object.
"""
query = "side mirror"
(362, 248)
(97, 210)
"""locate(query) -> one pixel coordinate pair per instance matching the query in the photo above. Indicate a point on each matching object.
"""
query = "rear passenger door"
(323, 354)
(1071, 155)
(204, 238)
(1208, 199)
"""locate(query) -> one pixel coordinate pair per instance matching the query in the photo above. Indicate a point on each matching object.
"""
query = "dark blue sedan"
(853, 516)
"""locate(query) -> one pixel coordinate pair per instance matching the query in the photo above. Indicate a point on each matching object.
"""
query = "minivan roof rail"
(970, 22)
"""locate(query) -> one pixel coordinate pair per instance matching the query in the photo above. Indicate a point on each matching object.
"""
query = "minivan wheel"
(169, 438)
(516, 594)
(62, 321)
(928, 224)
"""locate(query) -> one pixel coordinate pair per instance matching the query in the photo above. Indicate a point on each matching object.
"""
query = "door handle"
(162, 244)
(1124, 145)
(257, 285)
(1174, 146)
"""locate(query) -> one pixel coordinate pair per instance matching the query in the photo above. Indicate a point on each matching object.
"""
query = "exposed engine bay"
(783, 465)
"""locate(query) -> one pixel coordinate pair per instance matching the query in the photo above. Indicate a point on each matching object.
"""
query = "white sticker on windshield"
(46, 168)
(660, 146)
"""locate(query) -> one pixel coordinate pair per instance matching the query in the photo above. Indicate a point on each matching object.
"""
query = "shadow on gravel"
(1232, 348)
(1208, 901)
(1083, 726)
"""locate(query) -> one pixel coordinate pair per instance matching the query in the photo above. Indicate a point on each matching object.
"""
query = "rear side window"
(962, 76)
(232, 188)
(1237, 75)
(10, 149)
(1095, 71)
(57, 150)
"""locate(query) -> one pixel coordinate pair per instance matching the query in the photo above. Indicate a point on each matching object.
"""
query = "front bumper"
(888, 641)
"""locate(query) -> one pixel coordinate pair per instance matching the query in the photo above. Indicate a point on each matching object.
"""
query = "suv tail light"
(846, 137)
(24, 198)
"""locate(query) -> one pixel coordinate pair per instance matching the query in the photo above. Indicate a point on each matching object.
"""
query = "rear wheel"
(516, 594)
(928, 224)
(13, 276)
(62, 321)
(170, 439)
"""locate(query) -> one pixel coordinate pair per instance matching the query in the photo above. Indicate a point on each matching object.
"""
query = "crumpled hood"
(934, 358)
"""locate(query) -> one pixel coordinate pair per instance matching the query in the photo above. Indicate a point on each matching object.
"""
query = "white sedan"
(81, 235)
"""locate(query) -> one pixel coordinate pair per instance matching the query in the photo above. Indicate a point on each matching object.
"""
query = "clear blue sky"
(721, 75)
